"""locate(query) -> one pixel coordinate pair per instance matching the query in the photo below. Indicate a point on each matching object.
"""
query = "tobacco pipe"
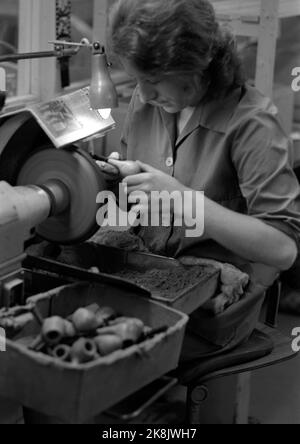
(84, 320)
(129, 330)
(62, 352)
(53, 330)
(108, 343)
(90, 318)
(105, 314)
(84, 350)
(127, 167)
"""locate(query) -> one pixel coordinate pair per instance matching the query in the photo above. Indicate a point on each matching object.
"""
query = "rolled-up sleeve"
(263, 158)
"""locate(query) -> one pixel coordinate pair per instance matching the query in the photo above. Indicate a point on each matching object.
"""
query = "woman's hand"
(125, 167)
(150, 206)
(110, 171)
(115, 168)
(150, 179)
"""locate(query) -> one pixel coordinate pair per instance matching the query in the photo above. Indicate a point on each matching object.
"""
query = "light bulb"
(104, 113)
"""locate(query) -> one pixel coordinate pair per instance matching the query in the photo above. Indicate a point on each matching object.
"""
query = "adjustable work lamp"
(103, 94)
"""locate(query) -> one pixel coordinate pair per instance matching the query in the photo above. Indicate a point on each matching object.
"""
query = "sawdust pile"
(168, 283)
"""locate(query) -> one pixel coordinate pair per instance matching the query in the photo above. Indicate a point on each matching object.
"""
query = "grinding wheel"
(20, 136)
(83, 179)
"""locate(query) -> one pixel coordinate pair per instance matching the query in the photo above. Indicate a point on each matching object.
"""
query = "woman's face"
(172, 93)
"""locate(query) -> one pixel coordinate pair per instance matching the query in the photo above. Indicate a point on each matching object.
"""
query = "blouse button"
(169, 162)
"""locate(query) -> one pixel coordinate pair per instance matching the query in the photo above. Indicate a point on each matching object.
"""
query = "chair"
(218, 389)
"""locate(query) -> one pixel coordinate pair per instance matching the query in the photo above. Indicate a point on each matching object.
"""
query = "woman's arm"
(249, 237)
(246, 236)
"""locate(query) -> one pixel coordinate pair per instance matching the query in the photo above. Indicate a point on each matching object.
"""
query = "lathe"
(43, 190)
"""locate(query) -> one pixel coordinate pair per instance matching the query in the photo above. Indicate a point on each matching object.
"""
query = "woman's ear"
(193, 86)
(197, 81)
(190, 85)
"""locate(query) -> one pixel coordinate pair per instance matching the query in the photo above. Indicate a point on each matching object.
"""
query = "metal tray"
(111, 260)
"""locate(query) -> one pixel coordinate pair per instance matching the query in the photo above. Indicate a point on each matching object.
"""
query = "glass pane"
(9, 13)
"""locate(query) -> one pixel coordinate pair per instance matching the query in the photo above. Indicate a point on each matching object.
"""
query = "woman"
(194, 124)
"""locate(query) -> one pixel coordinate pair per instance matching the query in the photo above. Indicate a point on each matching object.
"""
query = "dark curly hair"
(162, 37)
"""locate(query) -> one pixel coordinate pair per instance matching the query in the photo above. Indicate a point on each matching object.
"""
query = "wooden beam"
(267, 42)
(251, 8)
(100, 21)
(44, 76)
(25, 26)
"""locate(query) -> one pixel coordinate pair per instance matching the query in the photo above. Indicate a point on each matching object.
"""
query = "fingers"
(110, 170)
(140, 182)
(137, 179)
(145, 167)
(143, 188)
(117, 162)
(115, 155)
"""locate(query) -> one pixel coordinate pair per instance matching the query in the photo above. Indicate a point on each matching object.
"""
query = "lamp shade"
(103, 94)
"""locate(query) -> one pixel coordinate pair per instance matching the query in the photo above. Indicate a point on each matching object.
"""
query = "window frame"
(38, 79)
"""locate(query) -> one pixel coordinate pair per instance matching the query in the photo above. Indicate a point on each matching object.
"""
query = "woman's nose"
(147, 92)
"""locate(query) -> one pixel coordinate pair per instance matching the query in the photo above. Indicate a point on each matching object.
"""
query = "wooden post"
(36, 27)
(242, 398)
(100, 21)
(267, 41)
(44, 77)
(25, 45)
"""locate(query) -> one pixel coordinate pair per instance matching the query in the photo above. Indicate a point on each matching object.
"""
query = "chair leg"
(242, 398)
(220, 401)
(213, 402)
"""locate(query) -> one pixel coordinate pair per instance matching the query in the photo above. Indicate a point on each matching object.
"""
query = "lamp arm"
(59, 51)
(103, 94)
(39, 55)
(96, 47)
